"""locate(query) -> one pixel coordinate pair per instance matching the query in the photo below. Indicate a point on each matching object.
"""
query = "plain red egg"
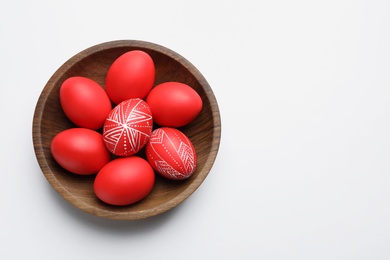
(171, 153)
(131, 75)
(128, 127)
(124, 181)
(84, 102)
(80, 150)
(174, 104)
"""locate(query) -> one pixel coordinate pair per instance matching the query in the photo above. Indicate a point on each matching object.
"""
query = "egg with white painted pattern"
(128, 127)
(171, 153)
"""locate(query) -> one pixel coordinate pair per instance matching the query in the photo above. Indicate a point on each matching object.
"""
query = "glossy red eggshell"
(124, 181)
(84, 102)
(80, 150)
(171, 153)
(131, 75)
(174, 104)
(128, 127)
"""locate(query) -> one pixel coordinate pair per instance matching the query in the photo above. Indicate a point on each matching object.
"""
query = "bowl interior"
(49, 120)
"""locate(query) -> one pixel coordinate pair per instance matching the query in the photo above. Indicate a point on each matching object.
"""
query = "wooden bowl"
(49, 120)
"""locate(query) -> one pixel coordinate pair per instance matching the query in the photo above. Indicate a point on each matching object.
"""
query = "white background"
(303, 167)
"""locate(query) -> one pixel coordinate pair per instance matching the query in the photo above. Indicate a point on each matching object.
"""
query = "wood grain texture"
(49, 120)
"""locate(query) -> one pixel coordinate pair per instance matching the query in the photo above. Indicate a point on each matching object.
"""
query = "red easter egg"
(124, 181)
(80, 150)
(84, 102)
(174, 104)
(128, 127)
(131, 75)
(171, 153)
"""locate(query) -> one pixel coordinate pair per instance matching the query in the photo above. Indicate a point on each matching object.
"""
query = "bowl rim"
(161, 208)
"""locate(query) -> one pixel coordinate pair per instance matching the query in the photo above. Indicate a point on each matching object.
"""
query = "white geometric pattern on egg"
(128, 127)
(182, 160)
